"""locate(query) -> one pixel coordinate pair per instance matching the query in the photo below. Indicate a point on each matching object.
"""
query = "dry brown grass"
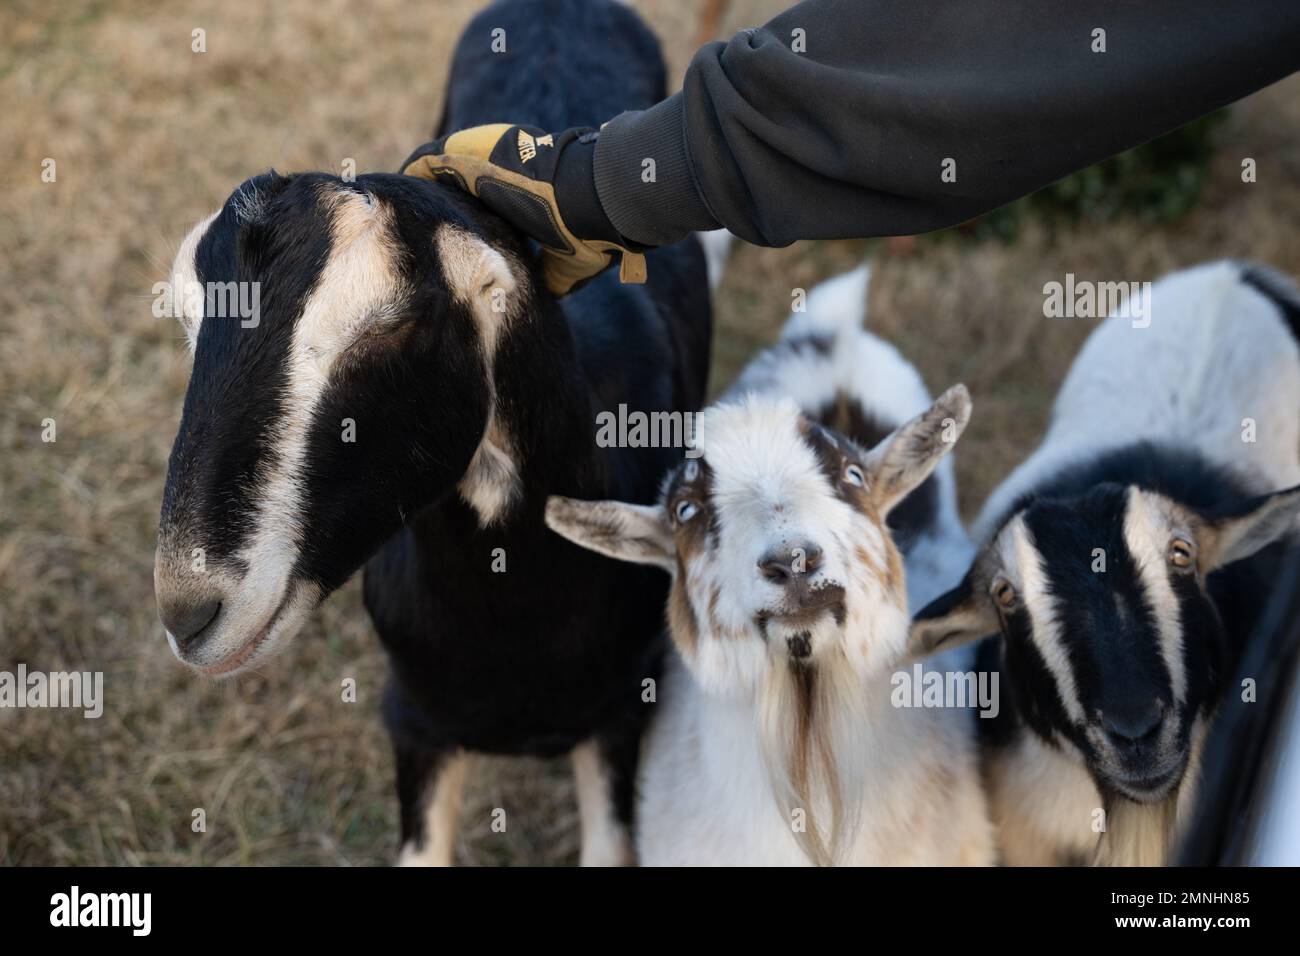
(148, 137)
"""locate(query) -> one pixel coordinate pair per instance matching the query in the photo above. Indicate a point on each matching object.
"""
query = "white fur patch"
(481, 278)
(359, 281)
(1149, 523)
(189, 311)
(491, 484)
(441, 815)
(1043, 802)
(717, 245)
(605, 842)
(1034, 588)
(484, 280)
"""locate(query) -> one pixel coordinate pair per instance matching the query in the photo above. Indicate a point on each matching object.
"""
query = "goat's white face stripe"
(1147, 528)
(762, 460)
(358, 286)
(185, 276)
(359, 281)
(1044, 626)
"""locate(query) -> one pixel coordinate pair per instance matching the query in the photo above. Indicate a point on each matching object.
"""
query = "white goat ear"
(637, 533)
(905, 458)
(959, 617)
(1252, 525)
(480, 277)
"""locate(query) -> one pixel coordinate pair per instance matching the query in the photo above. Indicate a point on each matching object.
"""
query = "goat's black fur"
(554, 651)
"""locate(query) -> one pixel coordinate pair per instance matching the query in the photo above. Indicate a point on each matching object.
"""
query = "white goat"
(789, 613)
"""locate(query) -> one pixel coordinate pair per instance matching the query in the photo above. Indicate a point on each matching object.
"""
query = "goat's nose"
(187, 619)
(783, 565)
(1128, 728)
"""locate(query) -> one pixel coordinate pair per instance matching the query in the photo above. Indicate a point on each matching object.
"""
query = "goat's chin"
(243, 644)
(1150, 783)
(1154, 789)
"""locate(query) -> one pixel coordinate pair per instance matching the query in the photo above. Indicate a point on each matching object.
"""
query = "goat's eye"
(686, 510)
(854, 476)
(386, 322)
(1182, 553)
(1004, 594)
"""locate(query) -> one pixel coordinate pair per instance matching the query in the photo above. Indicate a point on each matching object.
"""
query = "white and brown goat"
(789, 614)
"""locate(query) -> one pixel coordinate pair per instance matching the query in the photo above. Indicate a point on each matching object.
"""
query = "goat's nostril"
(777, 570)
(783, 565)
(188, 621)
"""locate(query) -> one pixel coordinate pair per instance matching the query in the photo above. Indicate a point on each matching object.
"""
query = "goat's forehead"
(1151, 518)
(1048, 556)
(757, 444)
(1122, 522)
(298, 206)
(1092, 569)
(325, 255)
(766, 471)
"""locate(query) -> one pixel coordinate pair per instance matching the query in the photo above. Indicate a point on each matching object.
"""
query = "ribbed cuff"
(575, 191)
(654, 211)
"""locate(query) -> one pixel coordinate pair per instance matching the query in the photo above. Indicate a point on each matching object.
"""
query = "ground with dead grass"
(148, 137)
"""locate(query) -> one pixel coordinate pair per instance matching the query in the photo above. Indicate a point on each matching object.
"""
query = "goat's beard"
(812, 724)
(1137, 834)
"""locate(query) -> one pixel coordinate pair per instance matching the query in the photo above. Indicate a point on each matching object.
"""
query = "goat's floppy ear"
(1239, 531)
(959, 617)
(479, 276)
(637, 533)
(905, 458)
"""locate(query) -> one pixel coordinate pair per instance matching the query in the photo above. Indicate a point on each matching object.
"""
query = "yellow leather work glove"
(542, 184)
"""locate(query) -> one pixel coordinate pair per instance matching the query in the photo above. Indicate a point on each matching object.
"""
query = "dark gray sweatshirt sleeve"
(839, 118)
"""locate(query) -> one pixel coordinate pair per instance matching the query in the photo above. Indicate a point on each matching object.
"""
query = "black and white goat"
(1125, 563)
(400, 313)
(789, 613)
